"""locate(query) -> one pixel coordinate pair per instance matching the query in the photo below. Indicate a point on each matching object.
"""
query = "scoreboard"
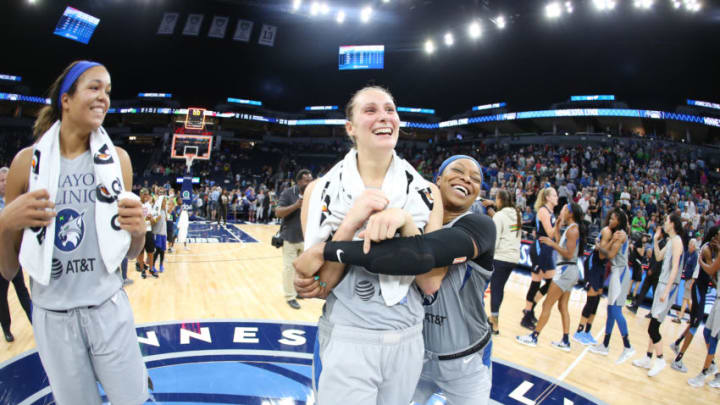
(76, 25)
(356, 57)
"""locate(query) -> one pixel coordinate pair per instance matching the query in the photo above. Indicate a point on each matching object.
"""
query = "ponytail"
(578, 214)
(53, 112)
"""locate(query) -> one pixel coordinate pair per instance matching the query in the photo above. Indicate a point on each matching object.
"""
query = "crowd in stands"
(647, 179)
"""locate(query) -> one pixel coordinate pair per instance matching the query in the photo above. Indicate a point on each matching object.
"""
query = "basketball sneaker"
(599, 349)
(715, 383)
(580, 337)
(699, 380)
(675, 348)
(626, 354)
(589, 339)
(657, 367)
(645, 362)
(527, 340)
(678, 366)
(561, 346)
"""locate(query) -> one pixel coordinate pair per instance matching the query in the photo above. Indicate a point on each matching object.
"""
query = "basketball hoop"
(189, 157)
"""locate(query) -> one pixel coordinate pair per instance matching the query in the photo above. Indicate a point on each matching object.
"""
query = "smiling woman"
(73, 281)
(370, 344)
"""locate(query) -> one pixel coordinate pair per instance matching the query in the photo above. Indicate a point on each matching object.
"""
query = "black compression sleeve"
(405, 256)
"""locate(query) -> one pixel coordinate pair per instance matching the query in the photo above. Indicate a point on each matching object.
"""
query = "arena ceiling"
(650, 58)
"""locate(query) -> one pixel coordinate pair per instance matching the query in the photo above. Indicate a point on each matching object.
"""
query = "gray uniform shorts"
(619, 285)
(566, 276)
(462, 381)
(713, 320)
(366, 367)
(85, 346)
(660, 309)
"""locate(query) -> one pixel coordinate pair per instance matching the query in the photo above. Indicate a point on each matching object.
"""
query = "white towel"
(37, 244)
(335, 193)
(183, 224)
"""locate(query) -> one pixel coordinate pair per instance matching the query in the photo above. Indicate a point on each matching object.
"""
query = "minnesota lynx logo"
(69, 229)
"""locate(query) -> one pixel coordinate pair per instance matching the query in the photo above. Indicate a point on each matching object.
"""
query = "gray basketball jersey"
(620, 261)
(79, 277)
(563, 243)
(455, 317)
(667, 264)
(357, 302)
(160, 227)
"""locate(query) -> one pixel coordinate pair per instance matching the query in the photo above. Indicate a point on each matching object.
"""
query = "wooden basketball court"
(243, 281)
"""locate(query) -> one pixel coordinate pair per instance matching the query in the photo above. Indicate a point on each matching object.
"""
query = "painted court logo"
(69, 229)
(201, 362)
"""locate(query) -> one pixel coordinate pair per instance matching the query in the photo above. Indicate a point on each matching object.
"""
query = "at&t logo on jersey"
(69, 229)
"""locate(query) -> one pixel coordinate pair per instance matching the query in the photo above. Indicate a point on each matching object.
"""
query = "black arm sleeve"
(419, 254)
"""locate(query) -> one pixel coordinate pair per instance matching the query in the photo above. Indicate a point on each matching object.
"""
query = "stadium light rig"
(365, 14)
(429, 46)
(604, 5)
(474, 30)
(692, 6)
(449, 40)
(643, 4)
(553, 10)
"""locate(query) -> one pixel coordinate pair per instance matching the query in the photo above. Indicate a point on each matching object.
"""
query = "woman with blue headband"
(66, 199)
(456, 331)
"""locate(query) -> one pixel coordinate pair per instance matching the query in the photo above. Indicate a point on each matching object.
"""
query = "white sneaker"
(675, 348)
(715, 383)
(645, 362)
(599, 349)
(678, 366)
(657, 367)
(626, 354)
(713, 368)
(698, 381)
(527, 340)
(561, 346)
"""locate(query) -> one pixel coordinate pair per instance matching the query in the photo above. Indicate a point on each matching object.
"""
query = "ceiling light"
(500, 22)
(474, 30)
(429, 46)
(449, 40)
(340, 18)
(365, 14)
(553, 10)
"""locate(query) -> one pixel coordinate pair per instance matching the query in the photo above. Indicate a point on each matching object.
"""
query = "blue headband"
(72, 76)
(451, 159)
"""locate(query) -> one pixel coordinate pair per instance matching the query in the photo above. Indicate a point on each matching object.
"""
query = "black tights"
(650, 281)
(23, 297)
(654, 330)
(500, 275)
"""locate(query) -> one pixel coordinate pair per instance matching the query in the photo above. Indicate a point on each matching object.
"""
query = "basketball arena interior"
(225, 105)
